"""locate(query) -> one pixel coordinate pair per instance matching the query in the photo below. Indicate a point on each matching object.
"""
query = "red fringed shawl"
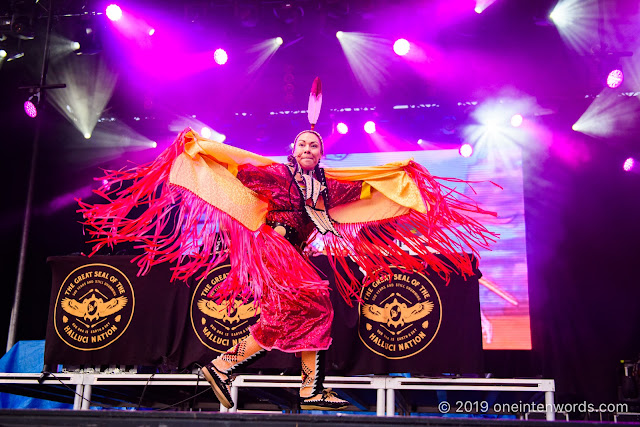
(191, 199)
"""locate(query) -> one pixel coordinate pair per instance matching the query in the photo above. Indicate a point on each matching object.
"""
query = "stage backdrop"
(101, 313)
(504, 289)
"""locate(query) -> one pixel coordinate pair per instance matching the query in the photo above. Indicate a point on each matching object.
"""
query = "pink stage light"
(114, 12)
(628, 164)
(466, 150)
(152, 31)
(220, 56)
(516, 120)
(370, 127)
(401, 47)
(30, 109)
(615, 78)
(342, 128)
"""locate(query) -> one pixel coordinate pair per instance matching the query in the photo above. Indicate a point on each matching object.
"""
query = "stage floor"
(175, 419)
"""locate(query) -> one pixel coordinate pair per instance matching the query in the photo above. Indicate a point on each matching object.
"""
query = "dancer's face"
(307, 151)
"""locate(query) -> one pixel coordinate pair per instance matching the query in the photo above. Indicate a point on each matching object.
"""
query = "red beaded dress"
(300, 322)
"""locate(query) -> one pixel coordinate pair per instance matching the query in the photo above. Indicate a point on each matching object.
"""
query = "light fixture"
(30, 105)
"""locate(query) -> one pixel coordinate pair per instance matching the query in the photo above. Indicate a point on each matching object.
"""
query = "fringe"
(171, 224)
(446, 228)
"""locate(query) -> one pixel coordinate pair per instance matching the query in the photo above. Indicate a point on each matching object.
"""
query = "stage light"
(75, 45)
(628, 164)
(370, 127)
(615, 78)
(516, 120)
(560, 15)
(152, 31)
(478, 9)
(153, 144)
(30, 108)
(339, 34)
(205, 132)
(466, 150)
(220, 56)
(401, 47)
(114, 12)
(279, 41)
(87, 135)
(342, 128)
(3, 54)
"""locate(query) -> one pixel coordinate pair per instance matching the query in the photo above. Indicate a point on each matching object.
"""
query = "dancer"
(264, 213)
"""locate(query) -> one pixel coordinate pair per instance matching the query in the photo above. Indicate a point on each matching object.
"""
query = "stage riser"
(179, 419)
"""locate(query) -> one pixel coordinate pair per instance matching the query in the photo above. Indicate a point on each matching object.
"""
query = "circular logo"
(400, 314)
(217, 326)
(94, 307)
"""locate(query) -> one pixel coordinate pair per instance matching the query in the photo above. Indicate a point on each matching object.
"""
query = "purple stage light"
(516, 120)
(342, 128)
(152, 31)
(466, 150)
(220, 56)
(615, 78)
(628, 164)
(30, 109)
(401, 47)
(114, 12)
(370, 127)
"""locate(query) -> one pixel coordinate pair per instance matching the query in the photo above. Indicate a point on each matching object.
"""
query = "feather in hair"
(315, 102)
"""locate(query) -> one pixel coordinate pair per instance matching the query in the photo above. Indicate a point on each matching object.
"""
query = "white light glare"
(401, 47)
(370, 127)
(3, 53)
(339, 34)
(220, 56)
(279, 41)
(560, 15)
(114, 12)
(628, 164)
(342, 128)
(466, 150)
(516, 120)
(87, 135)
(205, 132)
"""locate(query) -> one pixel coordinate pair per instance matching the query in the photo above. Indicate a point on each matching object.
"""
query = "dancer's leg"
(219, 370)
(313, 395)
(243, 353)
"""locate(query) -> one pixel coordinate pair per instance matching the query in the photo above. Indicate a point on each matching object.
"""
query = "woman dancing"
(265, 213)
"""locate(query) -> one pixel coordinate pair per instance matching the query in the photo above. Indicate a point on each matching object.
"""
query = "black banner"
(101, 313)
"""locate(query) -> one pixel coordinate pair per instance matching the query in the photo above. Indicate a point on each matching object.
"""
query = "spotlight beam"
(265, 51)
(368, 56)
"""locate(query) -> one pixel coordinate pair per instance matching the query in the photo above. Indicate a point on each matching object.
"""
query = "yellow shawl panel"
(208, 169)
